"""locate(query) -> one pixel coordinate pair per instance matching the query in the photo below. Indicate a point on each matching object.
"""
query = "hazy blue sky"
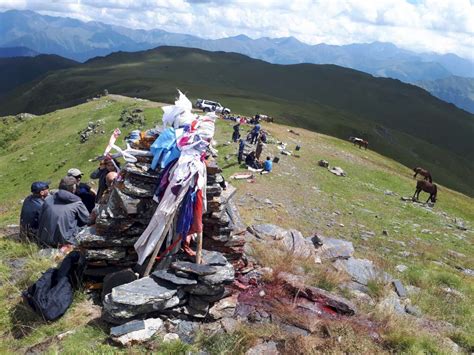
(420, 25)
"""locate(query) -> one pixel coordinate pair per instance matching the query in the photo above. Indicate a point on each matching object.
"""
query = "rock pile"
(132, 117)
(108, 245)
(120, 221)
(92, 128)
(223, 228)
(185, 289)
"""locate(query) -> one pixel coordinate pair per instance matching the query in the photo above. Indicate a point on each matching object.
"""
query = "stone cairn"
(178, 285)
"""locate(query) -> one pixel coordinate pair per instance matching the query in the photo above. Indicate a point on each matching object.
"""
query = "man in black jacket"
(31, 209)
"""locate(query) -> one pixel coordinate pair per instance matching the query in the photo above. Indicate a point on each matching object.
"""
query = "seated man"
(83, 190)
(31, 209)
(252, 162)
(62, 215)
(105, 166)
(268, 165)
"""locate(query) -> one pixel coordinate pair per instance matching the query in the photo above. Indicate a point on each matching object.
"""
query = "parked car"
(211, 106)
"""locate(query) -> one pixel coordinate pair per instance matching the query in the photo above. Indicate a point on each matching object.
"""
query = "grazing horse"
(426, 186)
(422, 172)
(360, 142)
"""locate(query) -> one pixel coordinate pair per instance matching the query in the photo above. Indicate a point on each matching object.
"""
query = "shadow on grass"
(24, 320)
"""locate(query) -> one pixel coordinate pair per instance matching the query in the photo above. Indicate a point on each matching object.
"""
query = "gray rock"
(401, 268)
(168, 275)
(224, 308)
(229, 324)
(268, 231)
(294, 242)
(142, 291)
(198, 269)
(187, 331)
(202, 289)
(456, 255)
(213, 258)
(169, 337)
(392, 303)
(468, 272)
(151, 326)
(224, 274)
(198, 303)
(413, 310)
(268, 348)
(361, 270)
(339, 304)
(105, 254)
(333, 249)
(399, 289)
(117, 312)
(116, 279)
(131, 326)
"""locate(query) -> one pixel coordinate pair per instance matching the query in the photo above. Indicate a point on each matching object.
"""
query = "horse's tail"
(435, 190)
(431, 180)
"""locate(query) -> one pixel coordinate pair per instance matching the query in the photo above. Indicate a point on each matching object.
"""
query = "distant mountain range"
(81, 41)
(454, 89)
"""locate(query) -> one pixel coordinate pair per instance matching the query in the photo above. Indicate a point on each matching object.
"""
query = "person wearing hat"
(106, 166)
(83, 190)
(31, 209)
(62, 215)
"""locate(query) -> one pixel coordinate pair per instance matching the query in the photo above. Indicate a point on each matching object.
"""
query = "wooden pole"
(151, 262)
(199, 248)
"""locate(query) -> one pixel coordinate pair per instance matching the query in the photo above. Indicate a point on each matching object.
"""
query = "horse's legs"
(413, 198)
(429, 198)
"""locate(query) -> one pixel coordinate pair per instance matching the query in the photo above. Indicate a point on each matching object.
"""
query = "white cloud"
(422, 25)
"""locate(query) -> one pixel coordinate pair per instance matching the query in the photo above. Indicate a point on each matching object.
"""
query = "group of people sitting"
(54, 219)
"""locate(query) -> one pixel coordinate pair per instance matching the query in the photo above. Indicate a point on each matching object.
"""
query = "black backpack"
(53, 293)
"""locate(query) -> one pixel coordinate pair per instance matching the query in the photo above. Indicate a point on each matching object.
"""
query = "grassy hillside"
(401, 121)
(16, 71)
(298, 194)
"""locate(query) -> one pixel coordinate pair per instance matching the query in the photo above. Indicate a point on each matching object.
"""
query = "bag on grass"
(53, 293)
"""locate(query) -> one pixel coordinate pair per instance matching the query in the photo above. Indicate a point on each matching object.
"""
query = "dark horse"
(360, 142)
(424, 173)
(426, 186)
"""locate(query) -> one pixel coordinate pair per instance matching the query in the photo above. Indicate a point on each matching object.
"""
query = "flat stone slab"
(202, 289)
(399, 289)
(117, 312)
(224, 274)
(333, 249)
(132, 326)
(268, 231)
(361, 270)
(142, 291)
(338, 303)
(197, 269)
(213, 258)
(151, 326)
(168, 275)
(105, 254)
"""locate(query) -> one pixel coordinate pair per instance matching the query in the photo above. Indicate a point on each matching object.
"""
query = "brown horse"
(360, 142)
(426, 186)
(422, 172)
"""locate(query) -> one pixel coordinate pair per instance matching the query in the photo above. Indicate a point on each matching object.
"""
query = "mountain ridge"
(325, 98)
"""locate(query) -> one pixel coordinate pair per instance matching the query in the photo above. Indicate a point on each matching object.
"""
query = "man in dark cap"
(62, 215)
(31, 209)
